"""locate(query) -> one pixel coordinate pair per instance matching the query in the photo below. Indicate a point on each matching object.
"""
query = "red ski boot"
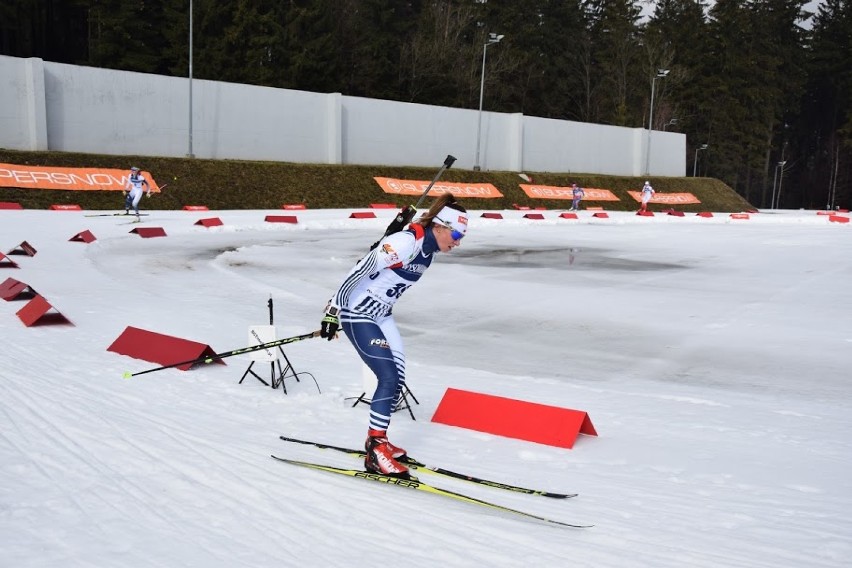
(380, 456)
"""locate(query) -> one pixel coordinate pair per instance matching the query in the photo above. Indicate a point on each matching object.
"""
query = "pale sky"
(810, 6)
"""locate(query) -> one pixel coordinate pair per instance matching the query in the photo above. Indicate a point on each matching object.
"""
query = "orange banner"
(458, 189)
(667, 198)
(557, 192)
(76, 179)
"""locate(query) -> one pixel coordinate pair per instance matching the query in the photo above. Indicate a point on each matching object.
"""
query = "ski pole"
(217, 356)
(406, 214)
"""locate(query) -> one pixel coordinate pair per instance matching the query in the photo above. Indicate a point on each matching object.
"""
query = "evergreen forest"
(761, 88)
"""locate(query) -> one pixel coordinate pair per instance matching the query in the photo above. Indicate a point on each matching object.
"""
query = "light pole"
(661, 73)
(781, 166)
(780, 181)
(189, 154)
(695, 162)
(492, 39)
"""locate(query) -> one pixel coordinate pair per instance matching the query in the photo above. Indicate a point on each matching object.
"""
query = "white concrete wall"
(69, 108)
(23, 117)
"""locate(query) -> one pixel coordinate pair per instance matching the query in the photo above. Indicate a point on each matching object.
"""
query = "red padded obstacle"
(69, 207)
(674, 213)
(158, 348)
(149, 232)
(281, 219)
(12, 289)
(24, 248)
(210, 222)
(600, 215)
(567, 215)
(740, 216)
(645, 213)
(512, 418)
(838, 219)
(195, 208)
(294, 206)
(362, 215)
(492, 215)
(84, 236)
(537, 216)
(704, 214)
(382, 205)
(10, 205)
(36, 313)
(6, 262)
(520, 207)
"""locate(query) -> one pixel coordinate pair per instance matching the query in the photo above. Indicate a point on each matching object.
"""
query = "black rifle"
(406, 214)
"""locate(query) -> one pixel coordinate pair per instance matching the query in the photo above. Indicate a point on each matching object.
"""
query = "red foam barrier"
(149, 232)
(838, 219)
(704, 214)
(674, 213)
(645, 213)
(740, 216)
(6, 262)
(382, 205)
(293, 206)
(281, 219)
(84, 236)
(520, 207)
(538, 216)
(159, 348)
(492, 215)
(56, 207)
(567, 215)
(35, 312)
(362, 215)
(24, 248)
(512, 418)
(195, 208)
(12, 289)
(825, 212)
(10, 205)
(600, 215)
(211, 222)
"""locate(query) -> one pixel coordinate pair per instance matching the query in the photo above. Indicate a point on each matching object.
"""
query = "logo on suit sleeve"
(391, 254)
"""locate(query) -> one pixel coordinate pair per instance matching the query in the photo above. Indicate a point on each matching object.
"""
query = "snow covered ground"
(712, 355)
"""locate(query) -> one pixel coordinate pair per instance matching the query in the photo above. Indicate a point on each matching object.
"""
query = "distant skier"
(363, 307)
(577, 195)
(133, 191)
(647, 194)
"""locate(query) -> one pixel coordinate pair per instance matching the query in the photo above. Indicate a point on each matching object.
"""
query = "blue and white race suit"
(134, 185)
(366, 300)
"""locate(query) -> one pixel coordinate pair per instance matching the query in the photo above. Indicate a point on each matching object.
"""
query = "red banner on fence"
(557, 192)
(459, 189)
(667, 198)
(75, 179)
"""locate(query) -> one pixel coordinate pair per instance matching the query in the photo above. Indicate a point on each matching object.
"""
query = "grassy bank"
(232, 184)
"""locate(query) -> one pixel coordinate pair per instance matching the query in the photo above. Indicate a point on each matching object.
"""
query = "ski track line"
(45, 424)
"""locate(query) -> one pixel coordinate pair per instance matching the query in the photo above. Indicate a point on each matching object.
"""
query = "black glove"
(330, 323)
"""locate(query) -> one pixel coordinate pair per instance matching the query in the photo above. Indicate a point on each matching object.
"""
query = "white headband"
(452, 218)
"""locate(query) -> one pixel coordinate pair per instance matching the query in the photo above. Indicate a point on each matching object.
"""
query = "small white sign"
(259, 334)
